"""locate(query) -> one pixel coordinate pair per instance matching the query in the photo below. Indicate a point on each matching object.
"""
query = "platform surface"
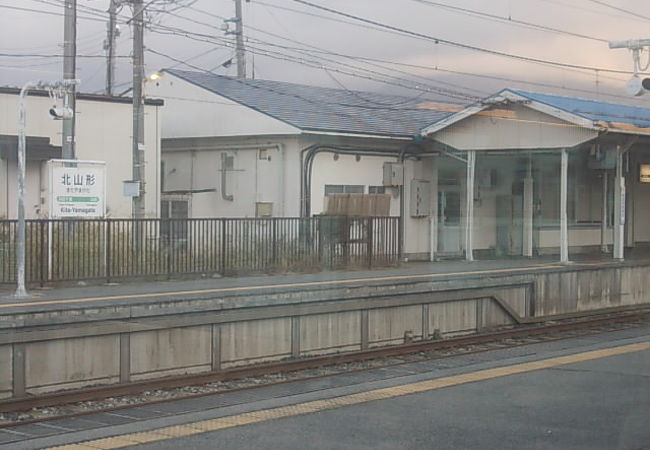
(88, 294)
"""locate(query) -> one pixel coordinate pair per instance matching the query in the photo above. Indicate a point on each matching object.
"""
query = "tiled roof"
(592, 109)
(320, 109)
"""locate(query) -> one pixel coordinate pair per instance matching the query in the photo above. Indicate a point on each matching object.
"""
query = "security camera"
(646, 84)
(61, 113)
(635, 87)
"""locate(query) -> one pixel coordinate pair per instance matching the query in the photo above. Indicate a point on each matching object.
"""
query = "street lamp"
(21, 292)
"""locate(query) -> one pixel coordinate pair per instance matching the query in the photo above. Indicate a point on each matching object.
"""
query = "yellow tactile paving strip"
(177, 431)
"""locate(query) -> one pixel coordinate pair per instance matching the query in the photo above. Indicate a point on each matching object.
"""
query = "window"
(174, 209)
(376, 189)
(343, 189)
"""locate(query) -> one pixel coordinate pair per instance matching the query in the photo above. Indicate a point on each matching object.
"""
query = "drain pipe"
(307, 162)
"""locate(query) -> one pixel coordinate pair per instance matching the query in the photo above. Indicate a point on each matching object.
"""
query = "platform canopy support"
(619, 207)
(564, 223)
(527, 247)
(469, 205)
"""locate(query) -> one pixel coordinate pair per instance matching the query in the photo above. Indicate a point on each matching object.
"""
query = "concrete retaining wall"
(42, 352)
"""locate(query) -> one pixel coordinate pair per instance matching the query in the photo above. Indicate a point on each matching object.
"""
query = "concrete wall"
(249, 342)
(6, 366)
(71, 363)
(201, 335)
(4, 190)
(176, 351)
(330, 333)
(103, 133)
(565, 292)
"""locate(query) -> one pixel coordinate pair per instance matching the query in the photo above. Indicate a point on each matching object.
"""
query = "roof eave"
(558, 113)
(509, 95)
(623, 128)
(313, 131)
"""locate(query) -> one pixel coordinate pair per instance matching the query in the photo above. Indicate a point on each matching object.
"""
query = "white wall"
(191, 111)
(103, 133)
(417, 230)
(4, 194)
(368, 171)
(515, 128)
(253, 180)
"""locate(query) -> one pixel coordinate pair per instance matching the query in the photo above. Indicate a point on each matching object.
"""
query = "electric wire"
(508, 20)
(581, 72)
(261, 52)
(318, 65)
(438, 40)
(618, 8)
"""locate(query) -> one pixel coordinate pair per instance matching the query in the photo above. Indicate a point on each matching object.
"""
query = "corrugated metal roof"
(611, 113)
(324, 109)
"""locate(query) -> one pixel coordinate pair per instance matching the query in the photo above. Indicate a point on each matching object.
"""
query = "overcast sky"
(29, 41)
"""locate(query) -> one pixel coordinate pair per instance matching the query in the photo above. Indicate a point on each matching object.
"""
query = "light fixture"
(154, 76)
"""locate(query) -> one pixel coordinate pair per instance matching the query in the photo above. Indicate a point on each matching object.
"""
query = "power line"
(438, 69)
(617, 8)
(368, 71)
(313, 48)
(51, 13)
(508, 20)
(44, 55)
(318, 65)
(376, 29)
(459, 44)
(254, 85)
(584, 9)
(310, 62)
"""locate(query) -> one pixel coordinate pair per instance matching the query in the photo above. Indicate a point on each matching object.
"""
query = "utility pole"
(112, 32)
(138, 108)
(69, 73)
(239, 41)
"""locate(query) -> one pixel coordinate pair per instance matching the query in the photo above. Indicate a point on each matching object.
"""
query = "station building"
(516, 174)
(103, 133)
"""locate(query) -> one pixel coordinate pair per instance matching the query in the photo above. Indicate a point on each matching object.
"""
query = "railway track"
(113, 398)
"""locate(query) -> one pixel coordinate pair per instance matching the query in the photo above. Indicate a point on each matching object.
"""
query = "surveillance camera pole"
(22, 126)
(21, 292)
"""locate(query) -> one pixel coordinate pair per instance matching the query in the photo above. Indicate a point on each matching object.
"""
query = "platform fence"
(114, 249)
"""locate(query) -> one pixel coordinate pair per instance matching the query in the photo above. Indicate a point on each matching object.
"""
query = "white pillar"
(605, 215)
(433, 222)
(527, 246)
(564, 224)
(469, 205)
(619, 207)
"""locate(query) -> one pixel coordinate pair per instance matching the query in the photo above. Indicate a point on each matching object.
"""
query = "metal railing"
(112, 249)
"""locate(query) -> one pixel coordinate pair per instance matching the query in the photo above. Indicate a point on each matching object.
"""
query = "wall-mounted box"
(393, 174)
(420, 205)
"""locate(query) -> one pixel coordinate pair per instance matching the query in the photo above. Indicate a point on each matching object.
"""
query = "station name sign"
(77, 189)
